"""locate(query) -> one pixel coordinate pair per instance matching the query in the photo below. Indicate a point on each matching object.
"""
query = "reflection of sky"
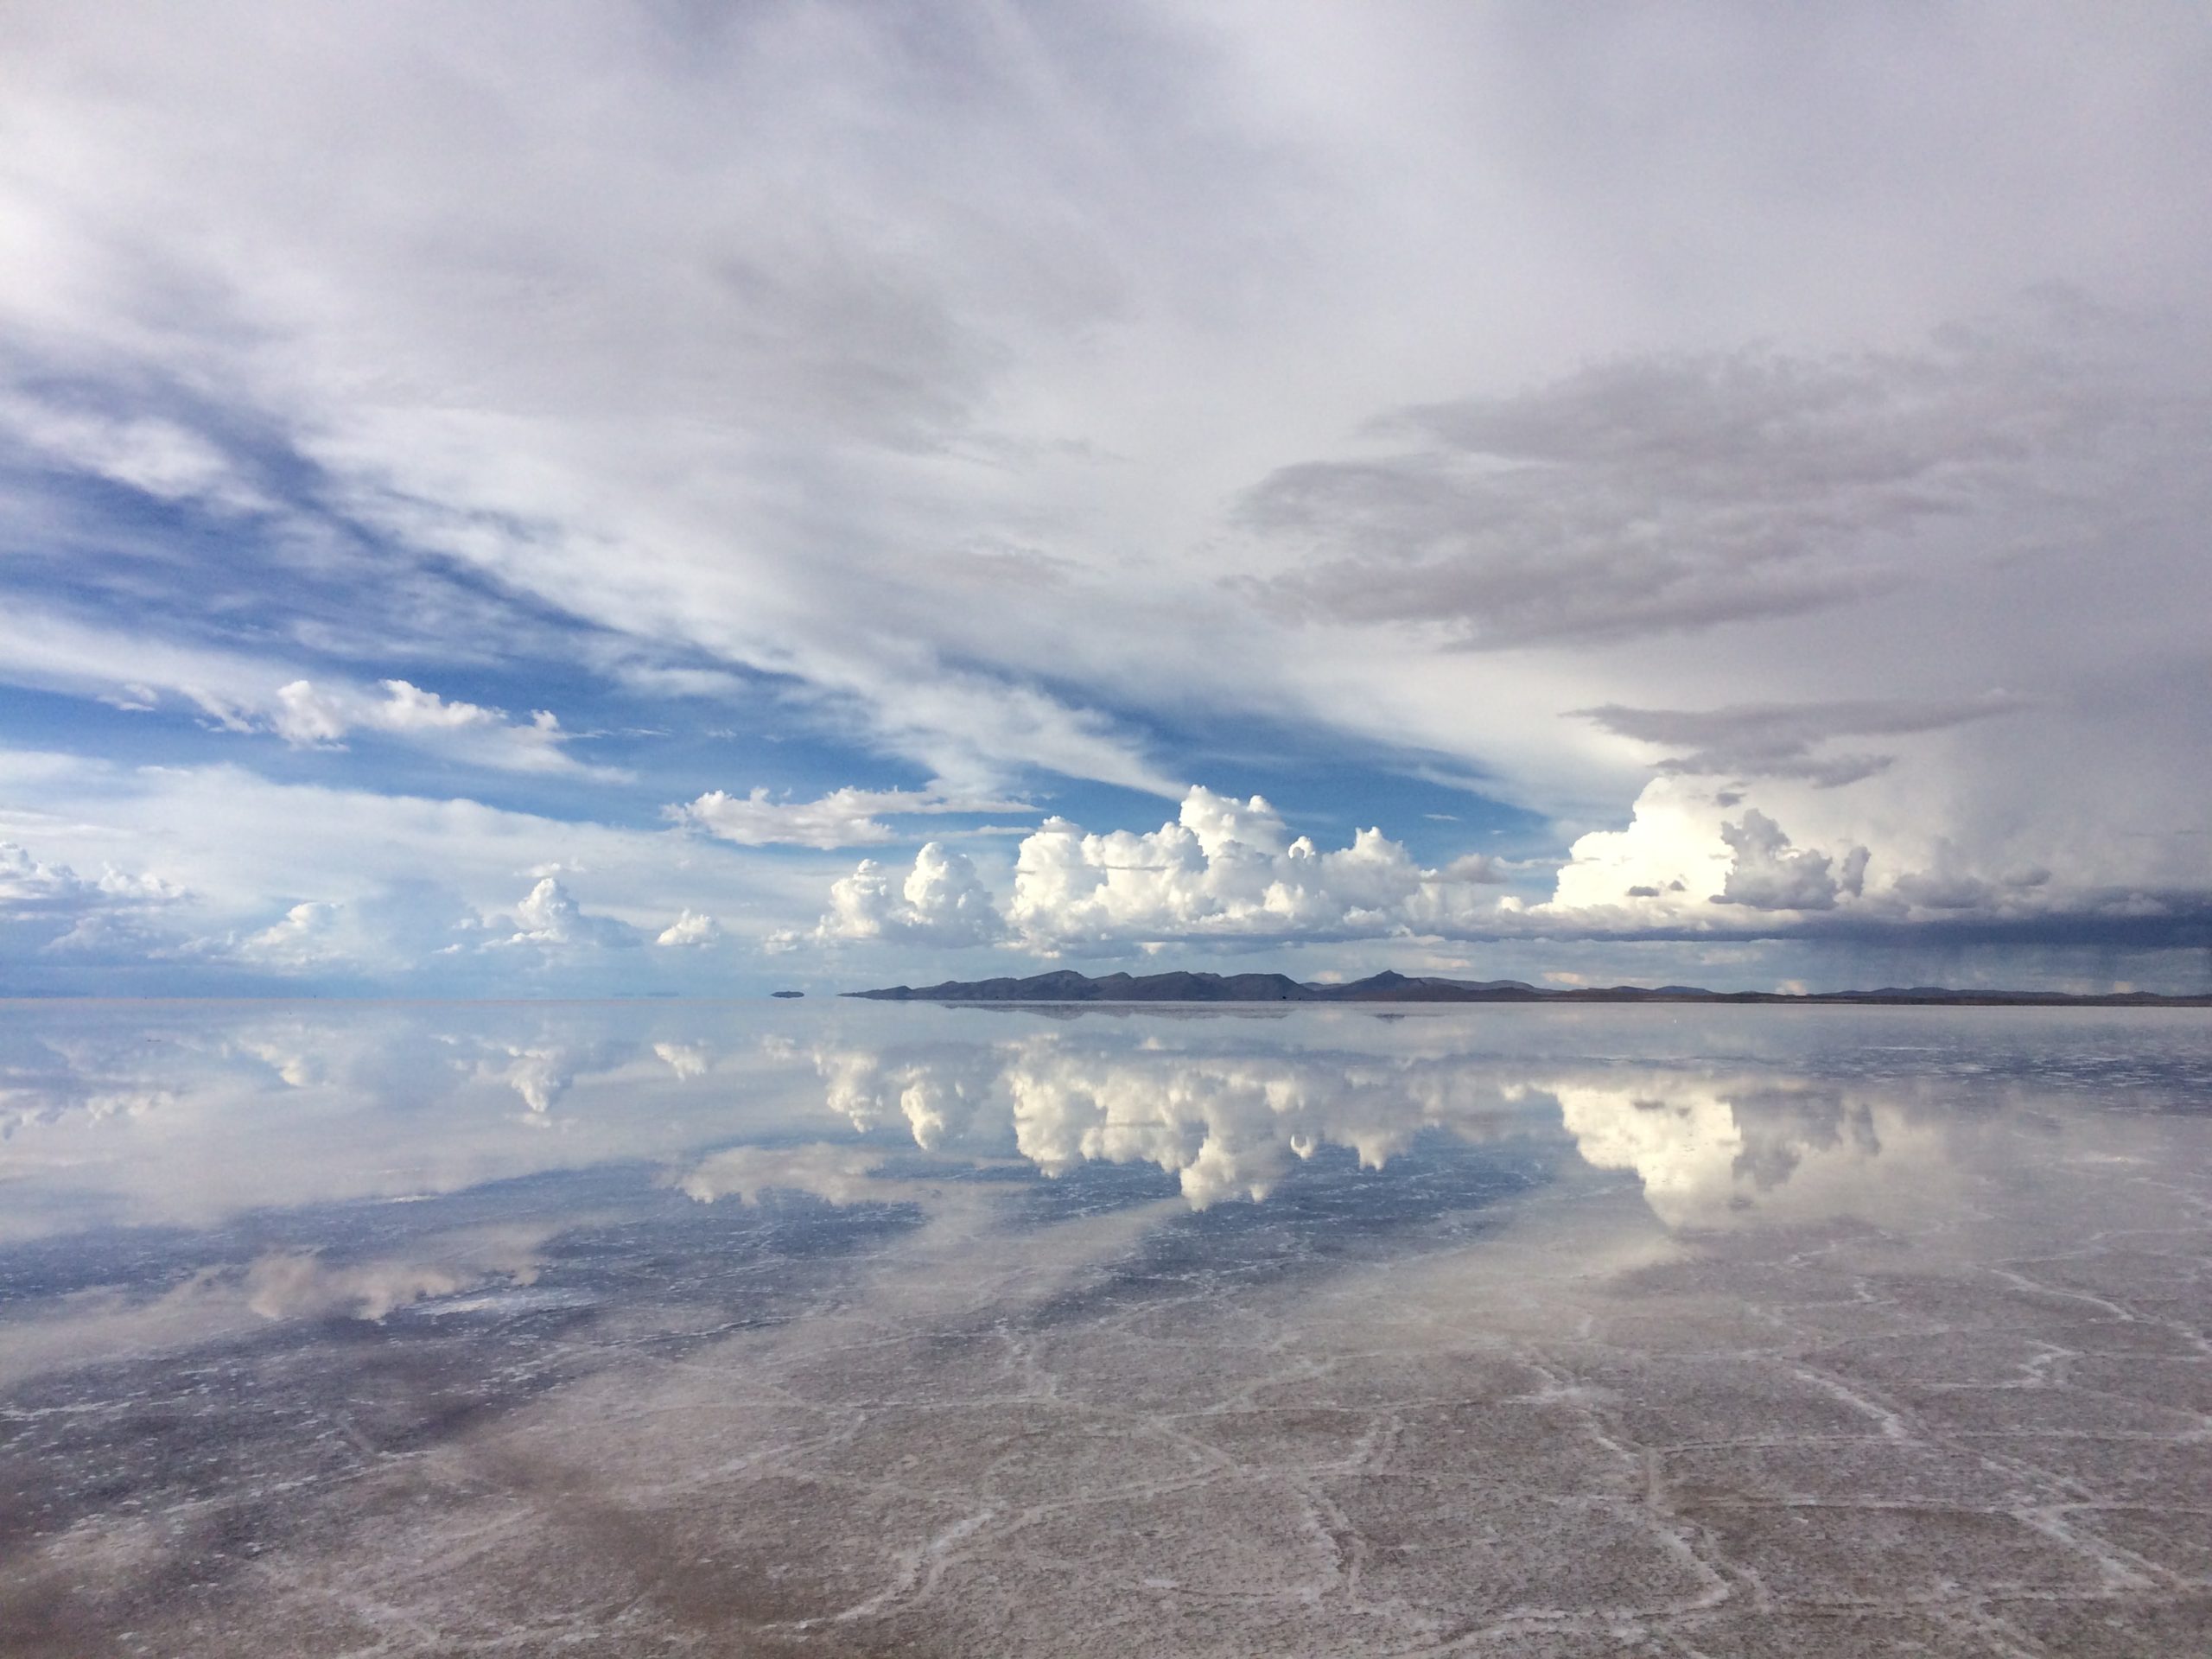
(187, 1117)
(168, 1174)
(1096, 1287)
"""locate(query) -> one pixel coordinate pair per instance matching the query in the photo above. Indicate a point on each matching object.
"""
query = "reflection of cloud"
(1710, 1150)
(541, 1072)
(1224, 1127)
(935, 1097)
(175, 1115)
(687, 1061)
(835, 1173)
(300, 1284)
(540, 1075)
(1681, 1142)
(20, 1108)
(1707, 1147)
(299, 1070)
(180, 1118)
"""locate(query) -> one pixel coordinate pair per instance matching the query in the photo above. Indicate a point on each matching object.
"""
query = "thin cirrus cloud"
(148, 452)
(844, 818)
(240, 694)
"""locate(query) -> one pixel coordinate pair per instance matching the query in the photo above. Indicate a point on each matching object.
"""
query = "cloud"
(308, 716)
(844, 817)
(550, 919)
(146, 453)
(241, 694)
(403, 872)
(116, 916)
(941, 901)
(692, 928)
(1225, 869)
(1679, 856)
(940, 425)
(1749, 740)
(304, 937)
(1661, 494)
(1693, 862)
(1768, 874)
(29, 888)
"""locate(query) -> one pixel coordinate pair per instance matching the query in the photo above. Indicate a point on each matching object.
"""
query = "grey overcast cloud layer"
(490, 495)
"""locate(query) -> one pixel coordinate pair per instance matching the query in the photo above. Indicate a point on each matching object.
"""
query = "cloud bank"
(1225, 870)
(1694, 862)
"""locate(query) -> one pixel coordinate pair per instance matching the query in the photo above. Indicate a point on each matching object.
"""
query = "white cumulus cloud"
(1225, 868)
(692, 928)
(30, 886)
(305, 935)
(1769, 873)
(1682, 855)
(549, 916)
(51, 907)
(940, 901)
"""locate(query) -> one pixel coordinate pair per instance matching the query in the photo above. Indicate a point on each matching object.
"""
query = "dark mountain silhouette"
(1065, 985)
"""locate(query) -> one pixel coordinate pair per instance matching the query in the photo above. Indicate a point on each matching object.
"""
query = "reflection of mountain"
(1707, 1147)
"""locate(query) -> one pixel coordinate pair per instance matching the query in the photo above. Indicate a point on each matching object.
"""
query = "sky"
(576, 499)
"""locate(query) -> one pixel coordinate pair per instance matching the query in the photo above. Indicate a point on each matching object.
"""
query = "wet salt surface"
(687, 1328)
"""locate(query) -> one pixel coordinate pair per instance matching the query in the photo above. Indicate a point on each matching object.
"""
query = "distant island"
(787, 994)
(1068, 985)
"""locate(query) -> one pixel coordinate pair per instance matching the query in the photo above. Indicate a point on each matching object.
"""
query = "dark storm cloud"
(1677, 491)
(1780, 740)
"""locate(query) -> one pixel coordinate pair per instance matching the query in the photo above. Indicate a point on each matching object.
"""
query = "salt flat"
(693, 1328)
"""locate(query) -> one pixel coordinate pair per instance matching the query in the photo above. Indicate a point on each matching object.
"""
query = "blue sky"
(655, 500)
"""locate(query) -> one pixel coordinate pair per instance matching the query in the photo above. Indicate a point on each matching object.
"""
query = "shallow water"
(659, 1327)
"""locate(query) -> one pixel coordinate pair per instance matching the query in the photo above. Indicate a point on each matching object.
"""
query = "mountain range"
(1064, 985)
